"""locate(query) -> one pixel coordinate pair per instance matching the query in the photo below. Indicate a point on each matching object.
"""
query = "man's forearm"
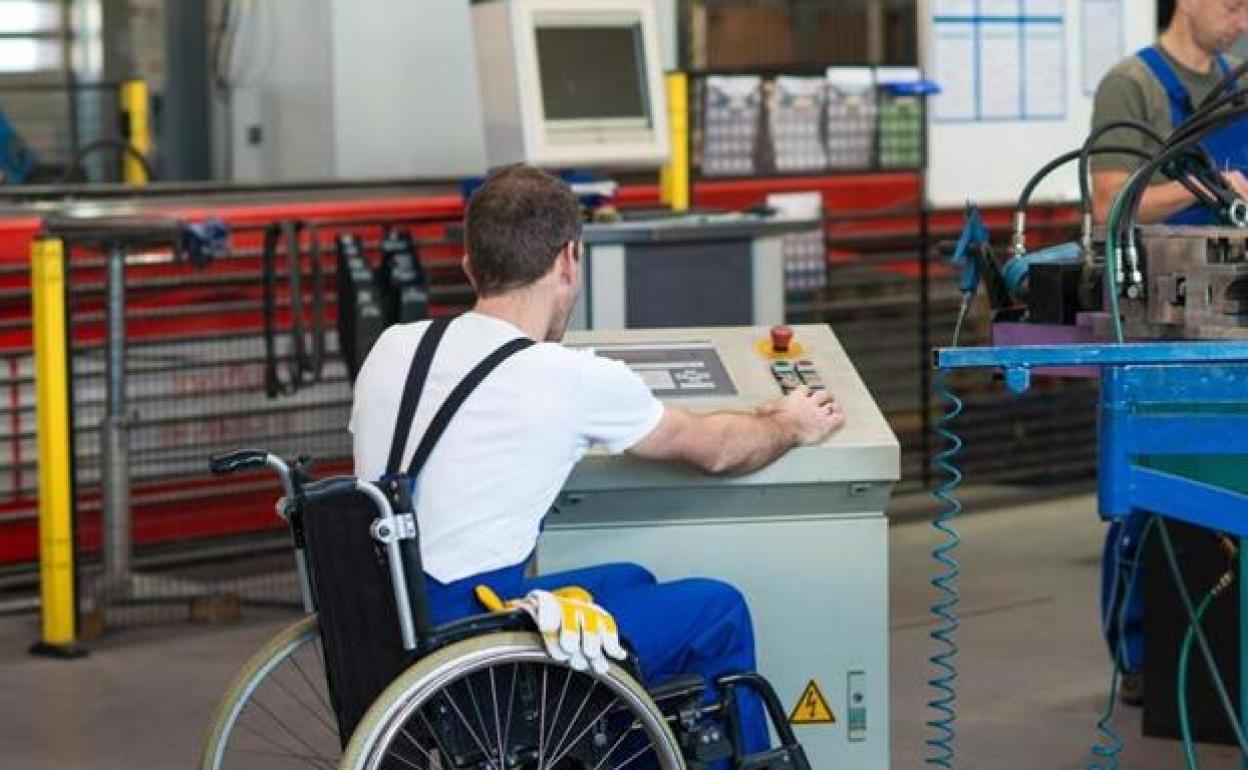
(1156, 205)
(1160, 201)
(746, 441)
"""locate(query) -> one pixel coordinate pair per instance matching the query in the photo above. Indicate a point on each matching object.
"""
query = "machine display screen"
(674, 369)
(592, 73)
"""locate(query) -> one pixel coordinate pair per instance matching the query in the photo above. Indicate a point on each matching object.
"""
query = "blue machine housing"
(1163, 398)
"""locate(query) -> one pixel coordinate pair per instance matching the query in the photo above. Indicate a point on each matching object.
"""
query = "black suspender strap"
(454, 401)
(416, 376)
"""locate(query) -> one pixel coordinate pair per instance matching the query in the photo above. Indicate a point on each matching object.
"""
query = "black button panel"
(791, 375)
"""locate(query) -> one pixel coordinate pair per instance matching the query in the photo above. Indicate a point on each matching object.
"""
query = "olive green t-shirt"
(1129, 91)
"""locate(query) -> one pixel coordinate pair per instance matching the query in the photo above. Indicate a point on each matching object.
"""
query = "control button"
(782, 367)
(781, 336)
(805, 366)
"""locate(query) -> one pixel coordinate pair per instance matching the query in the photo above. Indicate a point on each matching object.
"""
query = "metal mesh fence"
(195, 367)
(195, 379)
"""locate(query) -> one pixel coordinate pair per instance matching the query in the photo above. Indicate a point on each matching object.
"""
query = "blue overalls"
(686, 626)
(696, 625)
(1228, 149)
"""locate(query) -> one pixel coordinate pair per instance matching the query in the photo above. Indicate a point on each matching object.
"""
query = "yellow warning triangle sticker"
(812, 708)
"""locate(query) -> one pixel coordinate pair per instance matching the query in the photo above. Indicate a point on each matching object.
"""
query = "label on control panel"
(674, 369)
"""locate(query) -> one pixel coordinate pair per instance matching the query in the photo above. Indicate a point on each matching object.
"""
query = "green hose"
(1189, 748)
(1111, 254)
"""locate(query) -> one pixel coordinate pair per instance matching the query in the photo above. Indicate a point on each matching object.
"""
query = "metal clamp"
(392, 529)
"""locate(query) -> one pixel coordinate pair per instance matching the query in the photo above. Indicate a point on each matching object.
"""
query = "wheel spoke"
(476, 707)
(498, 722)
(412, 740)
(576, 717)
(312, 687)
(541, 721)
(511, 698)
(289, 731)
(634, 757)
(476, 738)
(394, 754)
(618, 742)
(308, 760)
(282, 750)
(554, 720)
(318, 714)
(436, 738)
(579, 736)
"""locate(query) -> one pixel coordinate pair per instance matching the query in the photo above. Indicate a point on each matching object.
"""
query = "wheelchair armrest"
(684, 686)
(477, 625)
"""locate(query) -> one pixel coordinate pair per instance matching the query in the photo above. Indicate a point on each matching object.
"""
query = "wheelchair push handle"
(247, 459)
(240, 460)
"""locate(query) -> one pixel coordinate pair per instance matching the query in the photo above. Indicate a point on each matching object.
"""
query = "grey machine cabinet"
(805, 539)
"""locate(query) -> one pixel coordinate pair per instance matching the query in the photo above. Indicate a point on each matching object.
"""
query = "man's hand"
(1237, 182)
(812, 415)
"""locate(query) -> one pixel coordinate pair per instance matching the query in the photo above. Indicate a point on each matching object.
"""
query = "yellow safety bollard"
(56, 531)
(674, 177)
(135, 106)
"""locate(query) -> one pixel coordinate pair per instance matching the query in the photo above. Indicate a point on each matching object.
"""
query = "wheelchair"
(365, 682)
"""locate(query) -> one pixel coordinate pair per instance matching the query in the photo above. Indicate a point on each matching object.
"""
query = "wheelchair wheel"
(276, 713)
(498, 702)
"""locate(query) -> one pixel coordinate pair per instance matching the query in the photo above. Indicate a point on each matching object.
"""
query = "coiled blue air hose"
(944, 682)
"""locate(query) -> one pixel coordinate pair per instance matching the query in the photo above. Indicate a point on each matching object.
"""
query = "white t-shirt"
(506, 454)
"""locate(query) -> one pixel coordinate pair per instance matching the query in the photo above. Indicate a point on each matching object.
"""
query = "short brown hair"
(515, 225)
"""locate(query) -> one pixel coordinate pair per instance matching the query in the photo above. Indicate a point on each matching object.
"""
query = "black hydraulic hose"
(1024, 199)
(1204, 124)
(1135, 187)
(1088, 150)
(1228, 81)
(1088, 144)
(1200, 117)
(1129, 197)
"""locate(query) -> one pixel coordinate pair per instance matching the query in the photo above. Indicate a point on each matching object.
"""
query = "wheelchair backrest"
(350, 579)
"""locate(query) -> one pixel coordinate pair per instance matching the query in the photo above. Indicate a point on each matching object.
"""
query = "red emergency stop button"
(781, 337)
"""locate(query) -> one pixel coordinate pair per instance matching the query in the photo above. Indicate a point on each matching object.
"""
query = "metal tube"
(394, 555)
(305, 582)
(115, 459)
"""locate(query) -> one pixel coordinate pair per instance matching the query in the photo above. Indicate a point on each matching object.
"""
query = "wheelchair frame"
(676, 712)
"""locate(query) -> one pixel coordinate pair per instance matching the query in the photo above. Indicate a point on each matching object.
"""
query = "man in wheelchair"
(518, 411)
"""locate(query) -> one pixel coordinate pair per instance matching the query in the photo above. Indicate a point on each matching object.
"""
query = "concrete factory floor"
(1033, 669)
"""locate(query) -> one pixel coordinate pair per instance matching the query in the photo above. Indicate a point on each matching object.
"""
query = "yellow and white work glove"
(574, 629)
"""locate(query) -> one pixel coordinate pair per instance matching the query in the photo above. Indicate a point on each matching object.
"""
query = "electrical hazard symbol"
(812, 708)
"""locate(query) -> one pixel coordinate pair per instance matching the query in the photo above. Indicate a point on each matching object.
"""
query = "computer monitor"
(571, 83)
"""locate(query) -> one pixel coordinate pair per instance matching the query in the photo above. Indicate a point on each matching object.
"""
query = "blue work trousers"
(1124, 627)
(691, 626)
